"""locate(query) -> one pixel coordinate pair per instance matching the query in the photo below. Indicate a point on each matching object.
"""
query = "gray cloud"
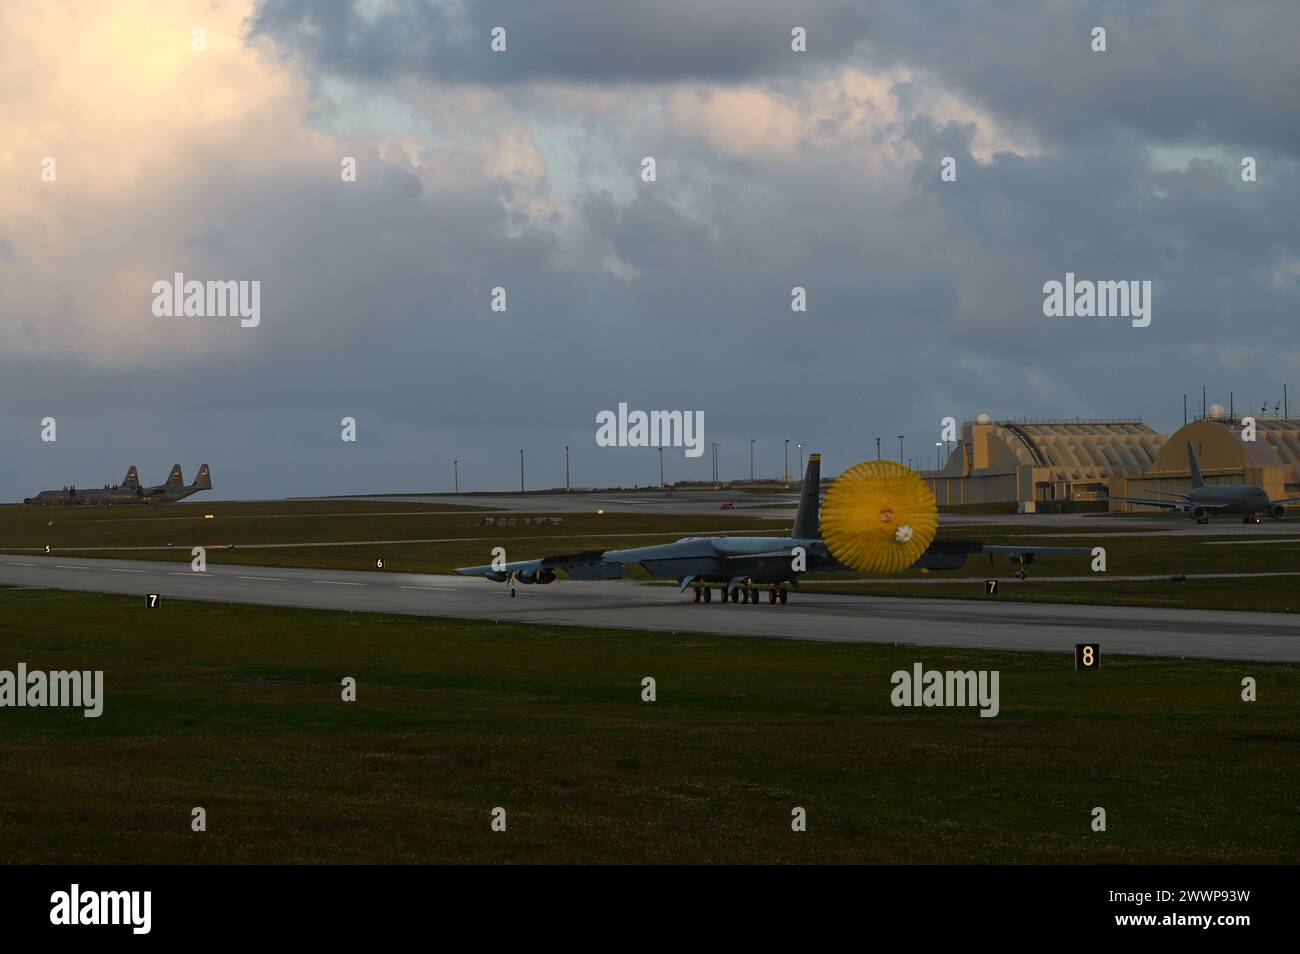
(925, 297)
(576, 40)
(1174, 71)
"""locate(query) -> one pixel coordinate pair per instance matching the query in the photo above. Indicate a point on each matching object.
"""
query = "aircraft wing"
(1014, 551)
(692, 557)
(952, 554)
(683, 559)
(783, 553)
(581, 566)
(1166, 504)
(1285, 501)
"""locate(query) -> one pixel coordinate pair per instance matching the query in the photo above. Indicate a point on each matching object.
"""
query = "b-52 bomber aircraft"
(878, 517)
(1211, 500)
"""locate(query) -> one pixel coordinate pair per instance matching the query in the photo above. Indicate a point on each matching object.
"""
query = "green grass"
(1261, 594)
(237, 709)
(269, 530)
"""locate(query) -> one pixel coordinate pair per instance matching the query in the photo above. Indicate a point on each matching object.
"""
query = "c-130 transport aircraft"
(130, 491)
(878, 517)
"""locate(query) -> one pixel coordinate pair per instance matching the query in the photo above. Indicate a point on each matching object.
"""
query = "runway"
(982, 624)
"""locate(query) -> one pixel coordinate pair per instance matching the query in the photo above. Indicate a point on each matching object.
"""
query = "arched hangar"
(1042, 464)
(1271, 460)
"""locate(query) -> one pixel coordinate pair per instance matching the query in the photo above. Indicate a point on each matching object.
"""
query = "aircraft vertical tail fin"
(132, 478)
(203, 479)
(174, 479)
(1195, 465)
(806, 524)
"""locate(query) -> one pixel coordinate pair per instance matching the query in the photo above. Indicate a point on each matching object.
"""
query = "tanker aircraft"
(1211, 500)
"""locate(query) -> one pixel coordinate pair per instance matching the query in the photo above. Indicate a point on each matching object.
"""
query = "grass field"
(237, 709)
(1262, 594)
(346, 534)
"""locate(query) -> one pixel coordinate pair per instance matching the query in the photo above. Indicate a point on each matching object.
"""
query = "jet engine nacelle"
(1277, 511)
(537, 576)
(1200, 513)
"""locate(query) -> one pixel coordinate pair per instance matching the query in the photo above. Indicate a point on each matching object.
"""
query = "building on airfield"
(1043, 464)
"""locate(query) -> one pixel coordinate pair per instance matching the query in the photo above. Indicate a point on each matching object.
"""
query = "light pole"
(877, 447)
(800, 465)
(566, 468)
(900, 447)
(661, 468)
(521, 470)
(455, 469)
(937, 445)
(751, 460)
(716, 482)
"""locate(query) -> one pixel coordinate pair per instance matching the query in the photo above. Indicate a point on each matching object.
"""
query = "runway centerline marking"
(337, 583)
(444, 589)
(20, 564)
(115, 569)
(65, 566)
(269, 579)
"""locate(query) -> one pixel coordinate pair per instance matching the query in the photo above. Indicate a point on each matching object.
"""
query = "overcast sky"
(523, 169)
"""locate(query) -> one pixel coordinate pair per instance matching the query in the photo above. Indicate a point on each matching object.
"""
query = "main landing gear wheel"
(771, 597)
(708, 595)
(735, 595)
(783, 595)
(698, 597)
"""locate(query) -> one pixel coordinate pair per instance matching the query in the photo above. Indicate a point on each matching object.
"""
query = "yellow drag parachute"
(879, 517)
